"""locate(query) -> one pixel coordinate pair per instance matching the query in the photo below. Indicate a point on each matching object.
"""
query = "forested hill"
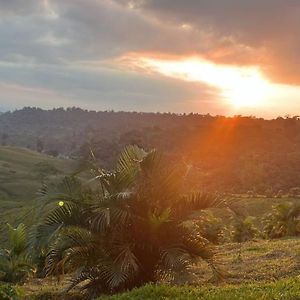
(238, 154)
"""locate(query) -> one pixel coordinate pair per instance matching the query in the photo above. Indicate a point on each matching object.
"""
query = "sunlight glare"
(241, 86)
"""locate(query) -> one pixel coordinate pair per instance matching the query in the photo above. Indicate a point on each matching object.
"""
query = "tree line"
(232, 154)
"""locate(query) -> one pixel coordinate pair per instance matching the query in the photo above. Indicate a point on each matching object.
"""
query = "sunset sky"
(208, 56)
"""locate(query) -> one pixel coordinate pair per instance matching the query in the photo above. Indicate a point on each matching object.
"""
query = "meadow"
(258, 275)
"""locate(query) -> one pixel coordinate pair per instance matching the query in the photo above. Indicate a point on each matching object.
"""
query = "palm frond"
(75, 246)
(175, 258)
(69, 189)
(196, 201)
(17, 238)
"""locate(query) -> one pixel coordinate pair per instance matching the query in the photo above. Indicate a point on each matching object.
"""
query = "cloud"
(103, 89)
(44, 44)
(44, 47)
(19, 7)
(263, 32)
(89, 29)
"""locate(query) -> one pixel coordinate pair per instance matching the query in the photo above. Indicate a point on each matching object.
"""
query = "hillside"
(234, 154)
(22, 173)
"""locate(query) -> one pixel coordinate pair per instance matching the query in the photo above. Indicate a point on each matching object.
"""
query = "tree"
(4, 138)
(131, 226)
(39, 145)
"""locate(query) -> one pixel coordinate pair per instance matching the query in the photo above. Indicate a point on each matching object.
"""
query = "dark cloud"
(46, 50)
(265, 32)
(41, 36)
(20, 7)
(90, 29)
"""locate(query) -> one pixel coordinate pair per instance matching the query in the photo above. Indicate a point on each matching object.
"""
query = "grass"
(261, 260)
(267, 270)
(288, 289)
(22, 173)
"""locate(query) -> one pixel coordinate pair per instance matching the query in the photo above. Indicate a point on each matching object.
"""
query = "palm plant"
(126, 227)
(15, 264)
(242, 227)
(211, 227)
(283, 220)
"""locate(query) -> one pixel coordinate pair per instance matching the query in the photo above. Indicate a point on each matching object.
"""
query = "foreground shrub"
(211, 227)
(15, 264)
(243, 229)
(283, 220)
(125, 228)
(8, 292)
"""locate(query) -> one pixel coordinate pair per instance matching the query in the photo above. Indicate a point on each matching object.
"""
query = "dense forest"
(231, 154)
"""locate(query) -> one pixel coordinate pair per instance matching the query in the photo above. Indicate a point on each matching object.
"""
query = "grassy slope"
(261, 260)
(268, 270)
(22, 172)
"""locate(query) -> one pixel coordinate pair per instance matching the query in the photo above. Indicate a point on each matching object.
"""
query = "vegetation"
(236, 155)
(8, 292)
(15, 264)
(102, 225)
(283, 220)
(284, 289)
(133, 226)
(262, 262)
(22, 172)
(211, 227)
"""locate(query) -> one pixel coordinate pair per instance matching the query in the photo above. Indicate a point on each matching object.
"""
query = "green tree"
(4, 138)
(131, 226)
(39, 145)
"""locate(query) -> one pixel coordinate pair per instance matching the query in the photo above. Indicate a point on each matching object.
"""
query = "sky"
(223, 57)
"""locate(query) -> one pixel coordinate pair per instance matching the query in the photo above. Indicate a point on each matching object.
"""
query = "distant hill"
(22, 172)
(227, 154)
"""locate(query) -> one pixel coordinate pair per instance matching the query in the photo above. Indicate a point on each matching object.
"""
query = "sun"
(247, 92)
(239, 86)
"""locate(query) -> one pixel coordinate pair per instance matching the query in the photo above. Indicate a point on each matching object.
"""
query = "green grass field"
(280, 290)
(22, 173)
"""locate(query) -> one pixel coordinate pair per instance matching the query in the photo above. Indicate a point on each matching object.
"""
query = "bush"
(15, 263)
(243, 229)
(283, 220)
(211, 227)
(8, 292)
